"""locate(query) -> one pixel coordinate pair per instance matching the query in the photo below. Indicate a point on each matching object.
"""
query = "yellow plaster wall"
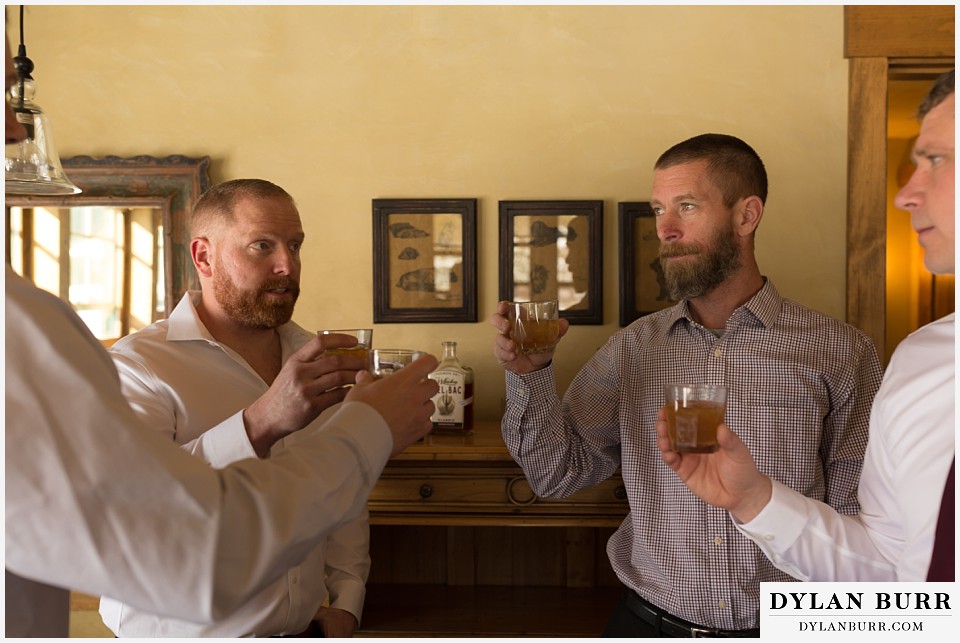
(341, 105)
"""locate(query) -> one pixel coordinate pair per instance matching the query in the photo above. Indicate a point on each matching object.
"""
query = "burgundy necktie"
(941, 564)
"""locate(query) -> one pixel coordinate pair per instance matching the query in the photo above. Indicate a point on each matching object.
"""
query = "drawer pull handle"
(426, 491)
(520, 493)
(620, 493)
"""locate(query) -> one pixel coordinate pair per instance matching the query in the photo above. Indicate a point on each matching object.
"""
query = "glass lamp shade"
(32, 166)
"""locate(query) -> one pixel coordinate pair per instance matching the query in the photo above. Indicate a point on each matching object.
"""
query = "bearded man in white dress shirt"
(226, 347)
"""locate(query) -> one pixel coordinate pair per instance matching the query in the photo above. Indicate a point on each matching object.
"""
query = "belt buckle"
(702, 632)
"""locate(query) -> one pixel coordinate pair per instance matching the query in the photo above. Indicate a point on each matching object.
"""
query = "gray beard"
(711, 267)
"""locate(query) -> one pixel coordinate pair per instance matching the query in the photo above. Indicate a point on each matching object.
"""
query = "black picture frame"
(424, 260)
(642, 289)
(537, 260)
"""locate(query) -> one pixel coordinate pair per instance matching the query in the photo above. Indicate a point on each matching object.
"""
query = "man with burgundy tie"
(908, 470)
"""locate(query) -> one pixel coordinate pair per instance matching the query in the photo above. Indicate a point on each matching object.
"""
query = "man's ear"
(201, 254)
(749, 215)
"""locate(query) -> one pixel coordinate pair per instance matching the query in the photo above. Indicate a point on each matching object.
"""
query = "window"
(119, 251)
(106, 261)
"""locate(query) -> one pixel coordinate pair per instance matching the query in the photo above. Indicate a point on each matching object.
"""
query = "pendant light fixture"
(31, 166)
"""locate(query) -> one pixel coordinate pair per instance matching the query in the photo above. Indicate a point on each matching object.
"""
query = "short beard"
(252, 309)
(711, 267)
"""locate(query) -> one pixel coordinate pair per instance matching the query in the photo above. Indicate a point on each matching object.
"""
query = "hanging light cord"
(22, 64)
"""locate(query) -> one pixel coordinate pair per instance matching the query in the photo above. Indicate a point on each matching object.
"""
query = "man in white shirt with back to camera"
(229, 346)
(909, 463)
(98, 503)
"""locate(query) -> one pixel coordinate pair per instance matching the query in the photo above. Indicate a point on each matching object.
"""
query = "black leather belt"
(678, 628)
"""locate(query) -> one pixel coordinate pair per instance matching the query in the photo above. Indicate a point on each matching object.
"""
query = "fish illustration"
(408, 253)
(407, 231)
(421, 280)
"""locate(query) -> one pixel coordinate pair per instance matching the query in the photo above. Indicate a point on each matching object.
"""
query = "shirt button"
(717, 352)
(718, 540)
(722, 604)
(768, 536)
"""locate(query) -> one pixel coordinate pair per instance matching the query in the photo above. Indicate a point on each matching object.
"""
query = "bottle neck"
(449, 351)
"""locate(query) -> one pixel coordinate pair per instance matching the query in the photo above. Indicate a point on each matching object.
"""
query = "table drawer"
(408, 490)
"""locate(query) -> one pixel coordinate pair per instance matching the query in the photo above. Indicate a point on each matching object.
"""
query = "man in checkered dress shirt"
(811, 377)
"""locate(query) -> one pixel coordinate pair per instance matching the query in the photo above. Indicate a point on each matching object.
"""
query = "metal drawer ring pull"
(522, 495)
(426, 491)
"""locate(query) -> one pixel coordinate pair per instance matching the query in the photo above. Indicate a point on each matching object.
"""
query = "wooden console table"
(461, 546)
(473, 481)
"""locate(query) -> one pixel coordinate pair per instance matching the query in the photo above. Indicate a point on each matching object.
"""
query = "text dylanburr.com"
(864, 611)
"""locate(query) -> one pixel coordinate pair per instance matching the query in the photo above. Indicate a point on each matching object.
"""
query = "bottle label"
(451, 400)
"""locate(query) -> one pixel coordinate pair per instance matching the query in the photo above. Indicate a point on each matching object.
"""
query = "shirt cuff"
(225, 443)
(348, 595)
(538, 384)
(779, 523)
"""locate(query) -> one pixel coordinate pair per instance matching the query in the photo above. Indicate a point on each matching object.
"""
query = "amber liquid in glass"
(693, 426)
(535, 337)
(356, 351)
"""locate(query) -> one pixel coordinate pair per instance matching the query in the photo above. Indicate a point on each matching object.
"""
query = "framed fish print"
(424, 260)
(643, 289)
(552, 250)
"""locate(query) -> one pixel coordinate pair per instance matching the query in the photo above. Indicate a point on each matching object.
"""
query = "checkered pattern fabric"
(801, 385)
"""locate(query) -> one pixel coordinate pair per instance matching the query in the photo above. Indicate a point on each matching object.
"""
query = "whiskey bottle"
(454, 402)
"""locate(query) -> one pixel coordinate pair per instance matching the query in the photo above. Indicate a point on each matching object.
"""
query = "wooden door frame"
(880, 41)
